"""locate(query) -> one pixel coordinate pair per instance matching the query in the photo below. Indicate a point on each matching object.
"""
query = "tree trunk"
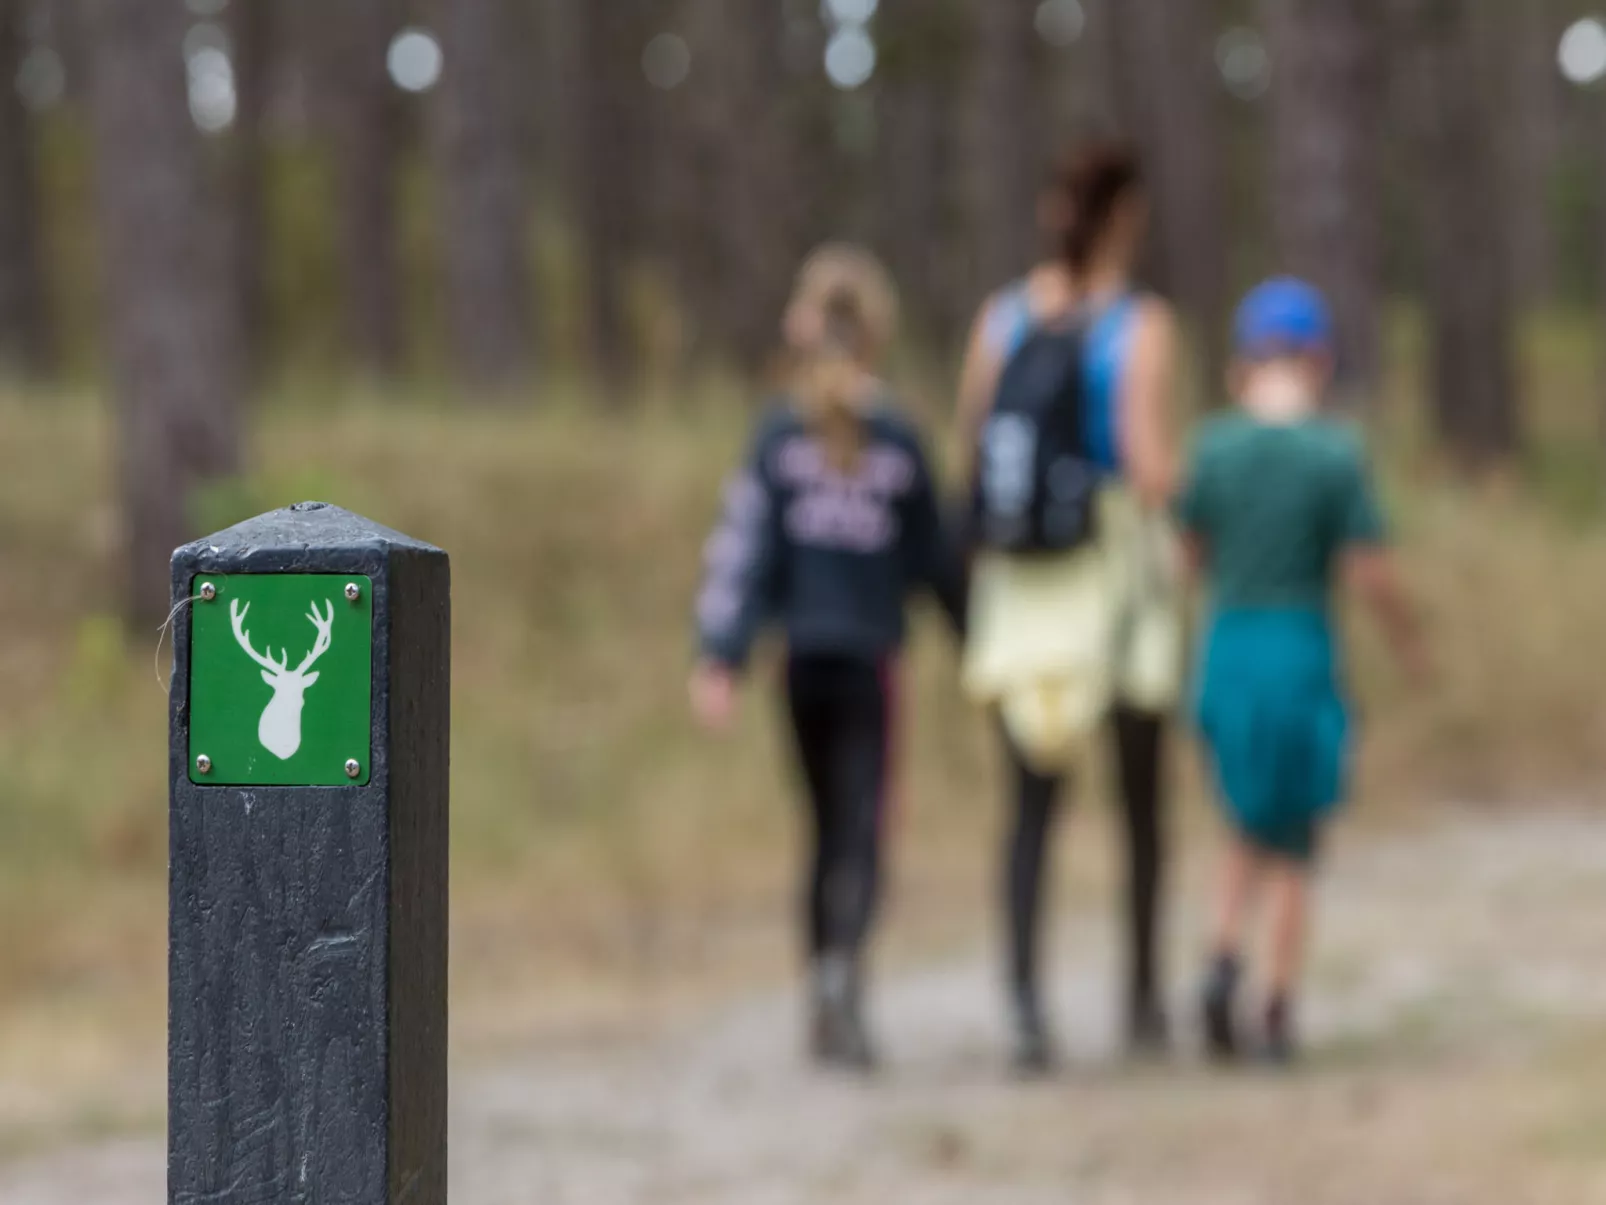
(685, 163)
(1006, 136)
(914, 156)
(1107, 83)
(1327, 89)
(1459, 222)
(358, 105)
(1168, 97)
(478, 144)
(26, 344)
(607, 171)
(1597, 131)
(761, 198)
(1532, 120)
(175, 387)
(253, 30)
(910, 211)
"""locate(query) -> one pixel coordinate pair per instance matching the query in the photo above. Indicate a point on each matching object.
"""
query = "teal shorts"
(1273, 717)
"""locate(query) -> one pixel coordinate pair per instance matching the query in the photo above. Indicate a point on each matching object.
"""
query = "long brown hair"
(847, 301)
(1089, 185)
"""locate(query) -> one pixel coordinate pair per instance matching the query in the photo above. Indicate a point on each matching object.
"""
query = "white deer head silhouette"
(279, 730)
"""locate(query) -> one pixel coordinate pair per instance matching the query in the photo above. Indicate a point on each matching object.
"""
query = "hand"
(713, 696)
(1412, 653)
(1176, 555)
(1418, 663)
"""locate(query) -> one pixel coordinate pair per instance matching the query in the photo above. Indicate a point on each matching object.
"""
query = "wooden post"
(308, 865)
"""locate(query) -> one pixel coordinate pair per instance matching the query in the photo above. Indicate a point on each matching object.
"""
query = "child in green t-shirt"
(1276, 507)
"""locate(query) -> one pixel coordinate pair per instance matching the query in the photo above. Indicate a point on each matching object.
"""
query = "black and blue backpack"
(1036, 487)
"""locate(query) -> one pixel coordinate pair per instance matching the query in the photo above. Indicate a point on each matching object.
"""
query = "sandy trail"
(1457, 1016)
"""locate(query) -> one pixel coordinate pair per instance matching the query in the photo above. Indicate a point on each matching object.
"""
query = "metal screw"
(208, 591)
(353, 591)
(353, 768)
(203, 764)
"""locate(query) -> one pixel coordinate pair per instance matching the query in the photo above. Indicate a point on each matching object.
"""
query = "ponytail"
(1090, 185)
(847, 303)
(830, 392)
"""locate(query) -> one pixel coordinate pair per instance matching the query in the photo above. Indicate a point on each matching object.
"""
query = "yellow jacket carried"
(1055, 639)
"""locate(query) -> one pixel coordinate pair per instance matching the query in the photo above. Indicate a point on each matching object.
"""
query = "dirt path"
(1458, 1032)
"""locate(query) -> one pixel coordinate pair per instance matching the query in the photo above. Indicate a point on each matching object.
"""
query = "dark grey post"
(308, 941)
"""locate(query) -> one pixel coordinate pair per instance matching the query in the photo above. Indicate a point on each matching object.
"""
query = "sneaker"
(1217, 1008)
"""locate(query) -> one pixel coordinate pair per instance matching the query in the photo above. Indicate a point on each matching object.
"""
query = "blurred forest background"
(506, 274)
(205, 198)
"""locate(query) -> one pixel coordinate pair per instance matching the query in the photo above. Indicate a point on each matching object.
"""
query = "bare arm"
(1371, 573)
(1148, 451)
(1195, 555)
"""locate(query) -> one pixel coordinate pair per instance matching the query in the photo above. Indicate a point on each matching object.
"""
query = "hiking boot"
(817, 1036)
(1281, 1049)
(1148, 1033)
(1217, 1008)
(1034, 1046)
(838, 1036)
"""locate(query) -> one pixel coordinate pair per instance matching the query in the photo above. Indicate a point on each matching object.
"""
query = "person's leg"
(1036, 802)
(1239, 878)
(809, 708)
(1288, 889)
(856, 780)
(1240, 875)
(859, 772)
(1139, 747)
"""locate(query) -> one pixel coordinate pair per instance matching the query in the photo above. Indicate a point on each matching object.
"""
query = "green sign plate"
(281, 680)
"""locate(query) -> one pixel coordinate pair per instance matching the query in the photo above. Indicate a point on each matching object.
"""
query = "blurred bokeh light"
(415, 60)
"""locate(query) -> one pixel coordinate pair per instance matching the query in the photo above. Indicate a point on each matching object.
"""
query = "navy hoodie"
(831, 557)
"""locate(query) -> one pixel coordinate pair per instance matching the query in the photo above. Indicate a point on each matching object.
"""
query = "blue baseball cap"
(1283, 316)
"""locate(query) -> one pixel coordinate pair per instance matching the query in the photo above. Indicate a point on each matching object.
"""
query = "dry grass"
(594, 831)
(591, 823)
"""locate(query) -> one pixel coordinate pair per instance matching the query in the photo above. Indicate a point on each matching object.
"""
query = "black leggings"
(1137, 737)
(841, 715)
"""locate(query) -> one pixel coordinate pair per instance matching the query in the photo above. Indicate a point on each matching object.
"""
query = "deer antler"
(321, 646)
(242, 637)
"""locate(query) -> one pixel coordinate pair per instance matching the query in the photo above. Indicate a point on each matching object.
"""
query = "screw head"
(353, 767)
(208, 591)
(353, 591)
(203, 764)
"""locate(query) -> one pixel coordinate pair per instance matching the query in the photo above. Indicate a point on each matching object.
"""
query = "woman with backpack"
(828, 528)
(1043, 626)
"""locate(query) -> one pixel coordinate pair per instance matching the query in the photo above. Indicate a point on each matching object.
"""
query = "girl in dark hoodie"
(829, 527)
